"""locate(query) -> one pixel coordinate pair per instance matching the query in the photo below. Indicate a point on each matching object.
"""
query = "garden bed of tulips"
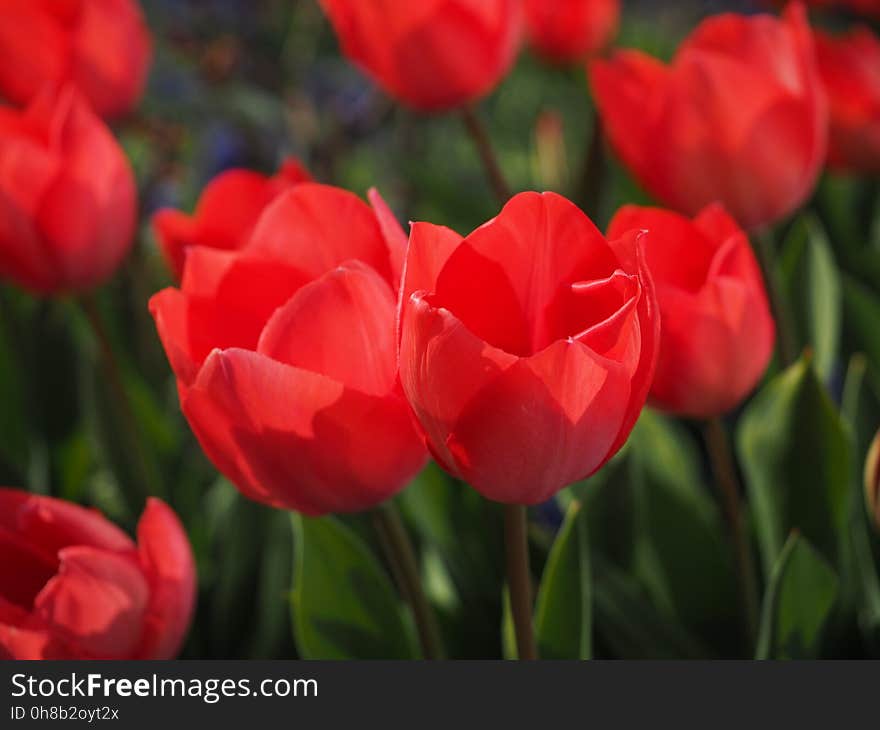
(399, 329)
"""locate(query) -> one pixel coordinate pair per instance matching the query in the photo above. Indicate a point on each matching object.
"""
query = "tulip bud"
(848, 65)
(872, 480)
(101, 46)
(433, 55)
(68, 200)
(718, 333)
(741, 113)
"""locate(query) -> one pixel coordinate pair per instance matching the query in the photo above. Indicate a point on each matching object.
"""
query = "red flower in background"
(739, 117)
(102, 46)
(67, 196)
(718, 333)
(566, 31)
(226, 213)
(850, 69)
(527, 348)
(286, 359)
(74, 586)
(433, 55)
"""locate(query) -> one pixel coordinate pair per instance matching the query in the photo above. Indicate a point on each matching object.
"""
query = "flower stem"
(480, 136)
(724, 470)
(589, 194)
(778, 302)
(402, 558)
(148, 475)
(519, 578)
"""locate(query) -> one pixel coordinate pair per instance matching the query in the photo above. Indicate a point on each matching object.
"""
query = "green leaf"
(683, 556)
(799, 599)
(812, 279)
(344, 606)
(862, 315)
(628, 626)
(563, 610)
(861, 409)
(795, 454)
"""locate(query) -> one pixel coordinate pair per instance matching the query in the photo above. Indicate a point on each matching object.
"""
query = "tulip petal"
(395, 238)
(442, 367)
(630, 90)
(97, 601)
(341, 326)
(220, 307)
(675, 252)
(504, 279)
(546, 422)
(428, 250)
(314, 228)
(300, 440)
(168, 563)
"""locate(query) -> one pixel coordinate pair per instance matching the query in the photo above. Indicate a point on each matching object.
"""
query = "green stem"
(402, 558)
(787, 342)
(589, 194)
(483, 143)
(724, 470)
(144, 468)
(519, 579)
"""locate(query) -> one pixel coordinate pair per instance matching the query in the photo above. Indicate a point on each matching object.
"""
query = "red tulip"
(285, 354)
(74, 586)
(226, 214)
(433, 55)
(566, 31)
(102, 46)
(850, 69)
(718, 333)
(739, 117)
(67, 196)
(527, 348)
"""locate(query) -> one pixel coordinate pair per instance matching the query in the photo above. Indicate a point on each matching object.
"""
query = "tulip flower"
(718, 333)
(67, 196)
(850, 69)
(740, 117)
(872, 480)
(528, 347)
(74, 586)
(432, 55)
(226, 213)
(101, 46)
(567, 31)
(286, 359)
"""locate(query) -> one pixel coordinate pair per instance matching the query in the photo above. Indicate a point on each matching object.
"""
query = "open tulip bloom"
(285, 354)
(528, 347)
(74, 586)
